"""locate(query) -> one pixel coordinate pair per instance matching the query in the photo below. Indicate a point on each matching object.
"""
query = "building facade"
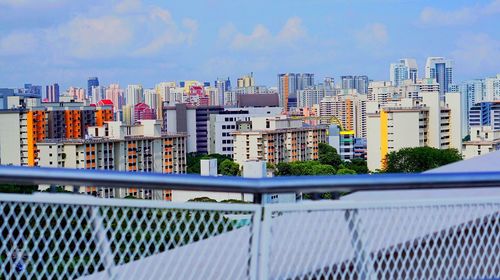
(138, 148)
(278, 139)
(224, 123)
(411, 123)
(23, 128)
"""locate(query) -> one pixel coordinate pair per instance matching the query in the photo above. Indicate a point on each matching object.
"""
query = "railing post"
(103, 244)
(264, 243)
(364, 265)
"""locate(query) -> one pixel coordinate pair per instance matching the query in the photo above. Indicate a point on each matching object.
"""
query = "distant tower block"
(208, 167)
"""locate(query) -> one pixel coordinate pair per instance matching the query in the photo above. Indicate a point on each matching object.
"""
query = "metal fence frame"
(282, 184)
(258, 267)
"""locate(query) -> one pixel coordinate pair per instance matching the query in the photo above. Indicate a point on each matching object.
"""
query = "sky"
(146, 42)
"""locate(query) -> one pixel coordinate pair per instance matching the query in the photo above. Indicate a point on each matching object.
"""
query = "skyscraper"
(135, 95)
(245, 81)
(405, 69)
(347, 82)
(221, 87)
(92, 82)
(441, 69)
(289, 84)
(52, 92)
(359, 83)
(32, 89)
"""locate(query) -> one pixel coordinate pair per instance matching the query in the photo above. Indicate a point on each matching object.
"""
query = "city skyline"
(146, 42)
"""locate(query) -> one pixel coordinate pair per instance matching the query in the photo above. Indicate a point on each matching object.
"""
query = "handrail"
(307, 184)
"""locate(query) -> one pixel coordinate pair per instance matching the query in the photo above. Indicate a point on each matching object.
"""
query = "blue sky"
(146, 42)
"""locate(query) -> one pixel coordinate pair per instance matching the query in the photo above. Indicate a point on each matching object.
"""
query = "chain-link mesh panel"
(458, 241)
(43, 240)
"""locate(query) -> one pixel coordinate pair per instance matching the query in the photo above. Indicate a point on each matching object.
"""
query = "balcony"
(397, 235)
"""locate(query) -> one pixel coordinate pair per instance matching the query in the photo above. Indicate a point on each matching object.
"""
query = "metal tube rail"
(307, 184)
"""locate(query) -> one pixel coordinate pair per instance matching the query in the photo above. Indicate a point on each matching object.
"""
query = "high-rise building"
(485, 114)
(347, 82)
(483, 140)
(98, 93)
(289, 84)
(245, 81)
(349, 110)
(472, 92)
(360, 83)
(223, 124)
(132, 148)
(405, 69)
(276, 140)
(135, 94)
(440, 69)
(143, 112)
(222, 87)
(413, 123)
(91, 83)
(74, 94)
(492, 88)
(192, 120)
(313, 95)
(115, 94)
(35, 91)
(23, 128)
(52, 93)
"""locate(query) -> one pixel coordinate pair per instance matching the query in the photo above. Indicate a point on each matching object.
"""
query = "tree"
(193, 161)
(202, 199)
(283, 169)
(346, 171)
(300, 168)
(229, 168)
(357, 164)
(328, 155)
(419, 159)
(11, 188)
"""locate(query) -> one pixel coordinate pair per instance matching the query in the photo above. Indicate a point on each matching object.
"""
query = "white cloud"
(18, 43)
(293, 30)
(464, 15)
(373, 35)
(168, 30)
(95, 37)
(125, 29)
(477, 52)
(261, 38)
(125, 6)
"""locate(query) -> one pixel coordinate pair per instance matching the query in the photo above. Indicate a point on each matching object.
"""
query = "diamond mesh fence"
(54, 236)
(125, 239)
(438, 240)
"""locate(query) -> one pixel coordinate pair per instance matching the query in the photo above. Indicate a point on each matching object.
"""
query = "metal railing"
(451, 231)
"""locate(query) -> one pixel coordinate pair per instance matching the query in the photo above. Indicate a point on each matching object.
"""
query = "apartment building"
(485, 114)
(349, 109)
(131, 148)
(483, 140)
(413, 123)
(23, 127)
(192, 120)
(223, 124)
(277, 139)
(342, 141)
(313, 95)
